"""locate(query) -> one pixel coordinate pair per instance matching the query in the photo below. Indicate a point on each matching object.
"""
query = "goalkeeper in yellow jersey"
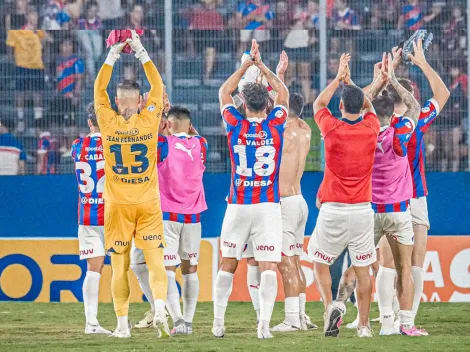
(132, 210)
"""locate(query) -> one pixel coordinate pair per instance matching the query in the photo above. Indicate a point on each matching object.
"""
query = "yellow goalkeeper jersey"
(130, 146)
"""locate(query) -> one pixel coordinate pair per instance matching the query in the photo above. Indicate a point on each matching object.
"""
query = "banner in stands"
(49, 270)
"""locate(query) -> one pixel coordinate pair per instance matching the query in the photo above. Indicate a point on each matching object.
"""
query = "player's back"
(294, 153)
(130, 150)
(87, 154)
(255, 153)
(349, 157)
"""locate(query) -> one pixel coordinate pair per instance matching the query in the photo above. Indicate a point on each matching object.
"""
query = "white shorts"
(260, 35)
(259, 223)
(294, 211)
(340, 226)
(182, 242)
(397, 225)
(419, 211)
(91, 241)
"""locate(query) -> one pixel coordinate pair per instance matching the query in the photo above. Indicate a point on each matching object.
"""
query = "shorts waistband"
(287, 198)
(344, 207)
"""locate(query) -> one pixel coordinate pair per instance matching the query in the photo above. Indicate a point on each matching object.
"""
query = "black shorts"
(300, 54)
(29, 79)
(204, 39)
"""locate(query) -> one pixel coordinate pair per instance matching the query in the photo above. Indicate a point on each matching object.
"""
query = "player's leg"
(173, 232)
(190, 243)
(140, 269)
(362, 251)
(385, 287)
(328, 241)
(150, 238)
(234, 235)
(91, 246)
(119, 227)
(267, 243)
(420, 219)
(347, 285)
(253, 276)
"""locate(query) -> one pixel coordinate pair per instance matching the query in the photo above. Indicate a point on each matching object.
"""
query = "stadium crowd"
(51, 75)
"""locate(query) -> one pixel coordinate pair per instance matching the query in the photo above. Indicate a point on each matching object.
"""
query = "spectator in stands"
(90, 38)
(12, 154)
(373, 18)
(136, 17)
(254, 17)
(298, 44)
(413, 17)
(47, 153)
(344, 21)
(390, 10)
(454, 34)
(206, 24)
(54, 15)
(27, 51)
(17, 18)
(111, 13)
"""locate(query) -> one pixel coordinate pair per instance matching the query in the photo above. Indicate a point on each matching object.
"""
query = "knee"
(265, 266)
(95, 264)
(286, 268)
(188, 269)
(229, 265)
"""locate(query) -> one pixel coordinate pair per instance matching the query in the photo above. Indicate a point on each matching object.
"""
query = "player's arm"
(412, 105)
(101, 98)
(162, 148)
(380, 79)
(282, 96)
(204, 149)
(439, 89)
(231, 84)
(282, 66)
(325, 96)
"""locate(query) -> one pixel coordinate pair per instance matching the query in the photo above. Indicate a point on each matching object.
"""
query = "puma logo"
(379, 145)
(181, 147)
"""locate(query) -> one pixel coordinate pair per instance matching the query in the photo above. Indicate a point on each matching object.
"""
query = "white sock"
(385, 287)
(38, 113)
(91, 287)
(222, 291)
(253, 278)
(122, 323)
(20, 112)
(267, 297)
(190, 296)
(142, 273)
(173, 297)
(396, 303)
(292, 311)
(418, 278)
(159, 305)
(302, 302)
(406, 318)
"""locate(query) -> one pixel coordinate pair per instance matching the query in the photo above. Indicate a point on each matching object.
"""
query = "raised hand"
(254, 52)
(166, 101)
(283, 63)
(390, 69)
(164, 127)
(418, 57)
(343, 67)
(396, 53)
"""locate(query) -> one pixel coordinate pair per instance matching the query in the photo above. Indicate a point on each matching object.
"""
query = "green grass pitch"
(59, 327)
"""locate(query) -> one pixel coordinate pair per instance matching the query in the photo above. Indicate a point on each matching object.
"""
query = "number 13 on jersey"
(140, 163)
(264, 163)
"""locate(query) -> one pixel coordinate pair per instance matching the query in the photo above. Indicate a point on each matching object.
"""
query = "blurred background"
(51, 50)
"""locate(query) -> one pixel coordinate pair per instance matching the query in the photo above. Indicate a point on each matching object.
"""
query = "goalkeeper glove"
(114, 53)
(137, 46)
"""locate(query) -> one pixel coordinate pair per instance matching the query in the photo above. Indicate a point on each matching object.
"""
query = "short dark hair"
(91, 115)
(383, 106)
(90, 4)
(296, 104)
(179, 113)
(353, 99)
(256, 96)
(128, 85)
(393, 94)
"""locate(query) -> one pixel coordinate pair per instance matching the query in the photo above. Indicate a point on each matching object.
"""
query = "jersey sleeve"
(231, 117)
(374, 121)
(429, 112)
(79, 67)
(162, 148)
(104, 113)
(11, 40)
(278, 116)
(325, 121)
(403, 129)
(204, 148)
(73, 153)
(154, 107)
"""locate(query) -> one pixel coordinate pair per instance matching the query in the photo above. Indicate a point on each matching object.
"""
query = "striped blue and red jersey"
(413, 17)
(248, 8)
(255, 147)
(417, 150)
(162, 153)
(88, 155)
(69, 70)
(48, 149)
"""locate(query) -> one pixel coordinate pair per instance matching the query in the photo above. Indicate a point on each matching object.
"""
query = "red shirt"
(349, 157)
